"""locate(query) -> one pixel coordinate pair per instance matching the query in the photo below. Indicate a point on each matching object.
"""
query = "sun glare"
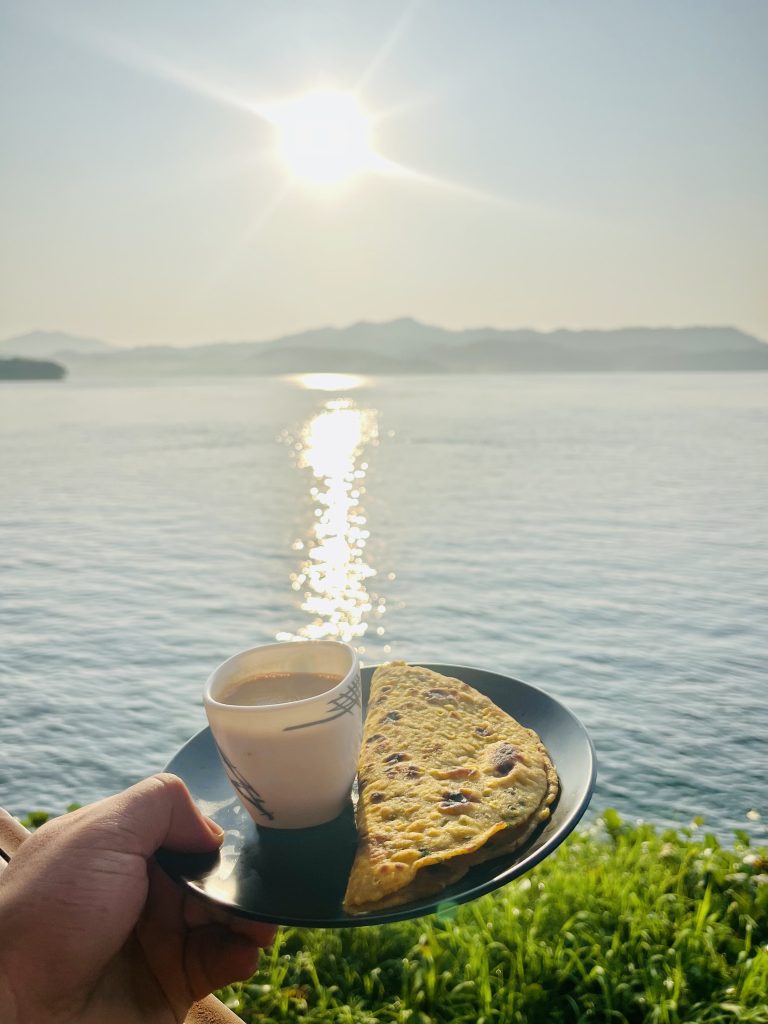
(325, 138)
(328, 381)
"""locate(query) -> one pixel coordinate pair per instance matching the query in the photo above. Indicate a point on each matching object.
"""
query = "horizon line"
(382, 323)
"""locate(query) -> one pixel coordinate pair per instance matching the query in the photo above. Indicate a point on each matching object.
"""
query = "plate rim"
(415, 910)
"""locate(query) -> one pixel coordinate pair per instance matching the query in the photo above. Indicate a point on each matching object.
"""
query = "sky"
(550, 164)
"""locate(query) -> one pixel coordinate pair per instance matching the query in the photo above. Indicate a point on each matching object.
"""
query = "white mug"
(291, 764)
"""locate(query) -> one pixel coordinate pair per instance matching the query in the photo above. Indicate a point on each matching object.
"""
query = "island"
(31, 369)
(405, 346)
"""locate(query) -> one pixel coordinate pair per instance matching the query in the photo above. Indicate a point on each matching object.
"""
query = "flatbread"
(447, 780)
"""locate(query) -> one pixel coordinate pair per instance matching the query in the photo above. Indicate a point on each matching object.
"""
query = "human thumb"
(159, 811)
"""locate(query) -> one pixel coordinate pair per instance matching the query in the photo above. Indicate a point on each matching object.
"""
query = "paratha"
(446, 780)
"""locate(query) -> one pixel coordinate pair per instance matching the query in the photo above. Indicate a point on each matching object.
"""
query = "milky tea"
(287, 720)
(279, 688)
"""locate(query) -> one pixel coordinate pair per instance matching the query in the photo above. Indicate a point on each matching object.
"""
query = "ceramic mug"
(292, 764)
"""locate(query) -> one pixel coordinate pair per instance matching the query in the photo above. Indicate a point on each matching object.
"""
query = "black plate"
(298, 877)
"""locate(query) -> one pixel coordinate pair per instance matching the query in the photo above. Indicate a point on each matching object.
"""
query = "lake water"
(604, 537)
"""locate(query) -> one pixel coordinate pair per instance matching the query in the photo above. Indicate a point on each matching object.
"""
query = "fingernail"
(215, 828)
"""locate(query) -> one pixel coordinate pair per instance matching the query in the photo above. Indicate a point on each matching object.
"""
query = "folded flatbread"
(446, 779)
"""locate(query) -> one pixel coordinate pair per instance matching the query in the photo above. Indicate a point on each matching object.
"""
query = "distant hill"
(635, 348)
(30, 369)
(40, 344)
(408, 346)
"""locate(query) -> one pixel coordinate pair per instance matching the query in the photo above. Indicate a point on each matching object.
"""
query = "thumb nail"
(215, 829)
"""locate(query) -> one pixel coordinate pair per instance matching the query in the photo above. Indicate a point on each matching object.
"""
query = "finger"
(161, 933)
(191, 944)
(215, 956)
(260, 932)
(12, 833)
(199, 912)
(159, 811)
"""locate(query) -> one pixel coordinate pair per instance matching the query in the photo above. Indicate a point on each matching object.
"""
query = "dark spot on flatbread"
(412, 772)
(392, 716)
(376, 798)
(483, 731)
(454, 798)
(504, 759)
(377, 736)
(393, 758)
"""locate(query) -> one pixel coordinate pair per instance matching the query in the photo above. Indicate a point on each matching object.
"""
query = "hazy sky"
(602, 164)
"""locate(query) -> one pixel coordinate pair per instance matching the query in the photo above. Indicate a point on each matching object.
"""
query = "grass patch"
(621, 924)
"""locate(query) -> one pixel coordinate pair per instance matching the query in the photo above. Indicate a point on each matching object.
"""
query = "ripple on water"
(605, 539)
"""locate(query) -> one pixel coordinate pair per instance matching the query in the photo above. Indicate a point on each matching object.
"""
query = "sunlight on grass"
(622, 924)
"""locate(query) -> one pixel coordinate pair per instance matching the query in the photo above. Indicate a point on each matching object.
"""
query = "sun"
(324, 137)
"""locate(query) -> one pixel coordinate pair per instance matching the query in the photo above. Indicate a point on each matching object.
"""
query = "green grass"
(622, 924)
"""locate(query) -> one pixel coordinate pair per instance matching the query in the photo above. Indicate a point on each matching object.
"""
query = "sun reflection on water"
(332, 578)
(328, 381)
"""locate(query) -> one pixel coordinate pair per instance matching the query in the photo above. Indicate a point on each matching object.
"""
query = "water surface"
(601, 536)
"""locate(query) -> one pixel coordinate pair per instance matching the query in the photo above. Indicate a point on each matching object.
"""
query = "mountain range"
(409, 346)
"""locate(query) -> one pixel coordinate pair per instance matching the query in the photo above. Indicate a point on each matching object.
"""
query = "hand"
(91, 929)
